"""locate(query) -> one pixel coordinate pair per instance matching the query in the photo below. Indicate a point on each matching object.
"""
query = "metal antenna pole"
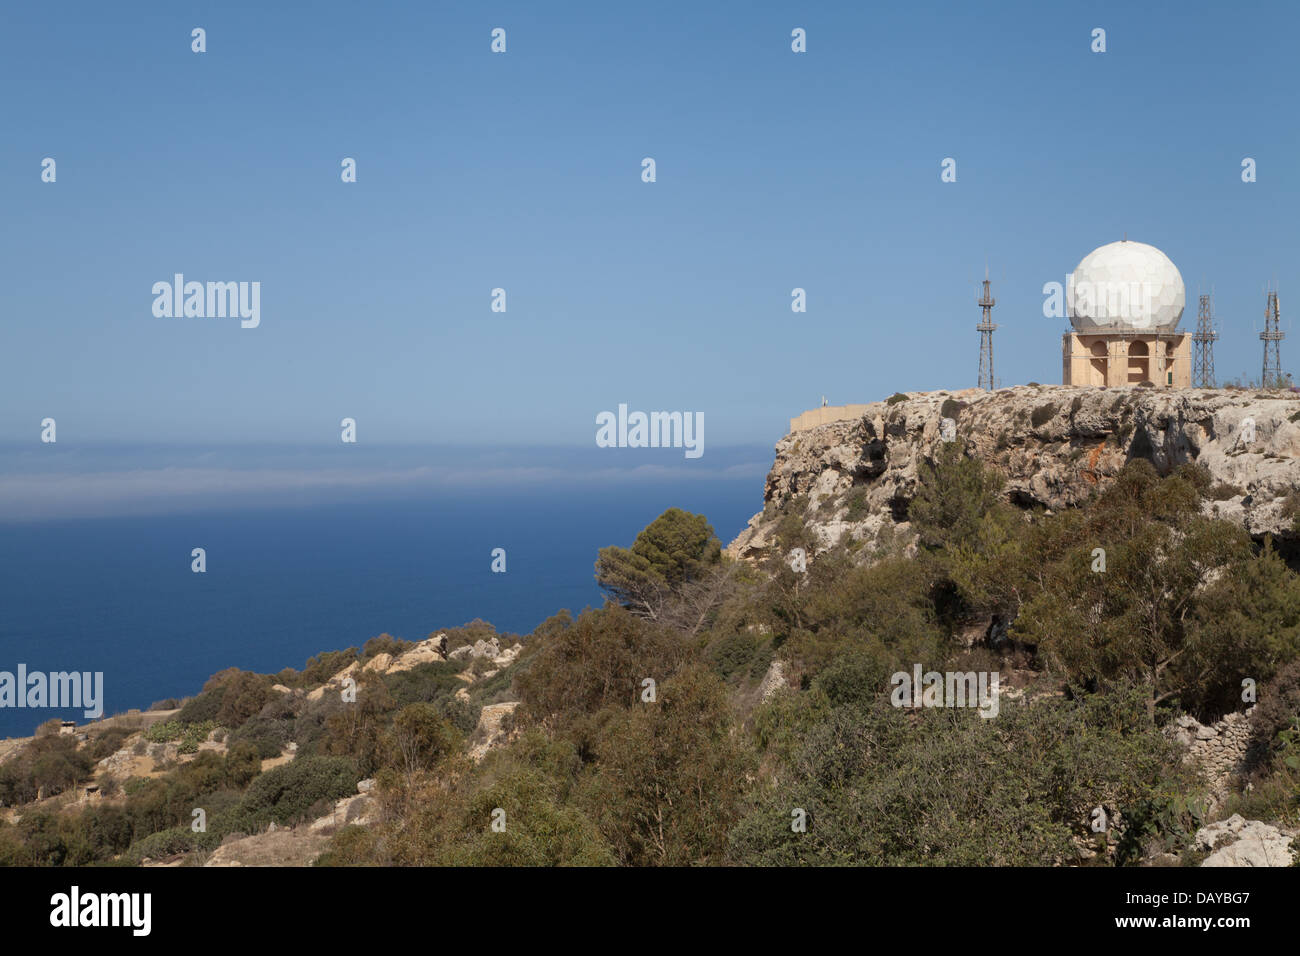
(1203, 367)
(1272, 336)
(986, 328)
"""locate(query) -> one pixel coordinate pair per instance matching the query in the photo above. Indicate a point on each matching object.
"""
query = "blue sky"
(522, 171)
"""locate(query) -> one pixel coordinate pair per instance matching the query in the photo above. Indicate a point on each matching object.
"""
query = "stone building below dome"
(1113, 359)
(1125, 300)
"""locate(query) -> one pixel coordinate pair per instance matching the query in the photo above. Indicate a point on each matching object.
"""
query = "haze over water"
(291, 573)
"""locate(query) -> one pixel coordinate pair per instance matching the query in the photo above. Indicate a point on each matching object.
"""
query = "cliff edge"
(853, 479)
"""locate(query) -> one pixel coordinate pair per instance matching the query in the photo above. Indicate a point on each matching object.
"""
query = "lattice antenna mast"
(1203, 363)
(1272, 336)
(986, 329)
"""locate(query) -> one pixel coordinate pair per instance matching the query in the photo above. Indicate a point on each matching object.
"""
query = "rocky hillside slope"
(853, 480)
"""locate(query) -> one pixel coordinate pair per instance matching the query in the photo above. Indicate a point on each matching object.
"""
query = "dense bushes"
(671, 775)
(384, 644)
(106, 742)
(188, 736)
(1183, 605)
(640, 738)
(956, 496)
(318, 669)
(883, 611)
(741, 655)
(1188, 608)
(599, 662)
(286, 793)
(173, 840)
(427, 682)
(419, 738)
(268, 735)
(1277, 712)
(528, 789)
(943, 786)
(49, 765)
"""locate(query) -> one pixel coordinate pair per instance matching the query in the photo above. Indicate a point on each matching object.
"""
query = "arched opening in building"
(1098, 374)
(1139, 362)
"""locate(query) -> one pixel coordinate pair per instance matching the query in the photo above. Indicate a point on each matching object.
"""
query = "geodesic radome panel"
(1125, 286)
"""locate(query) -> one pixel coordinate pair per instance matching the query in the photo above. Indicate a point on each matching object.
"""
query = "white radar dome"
(1125, 286)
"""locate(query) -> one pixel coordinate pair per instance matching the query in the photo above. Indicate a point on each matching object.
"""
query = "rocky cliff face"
(853, 480)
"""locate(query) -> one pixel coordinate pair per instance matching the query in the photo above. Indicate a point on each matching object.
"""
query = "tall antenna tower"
(1272, 337)
(1203, 363)
(986, 328)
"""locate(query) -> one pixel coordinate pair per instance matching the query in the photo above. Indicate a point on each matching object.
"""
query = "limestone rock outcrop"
(853, 479)
(489, 732)
(773, 681)
(428, 651)
(489, 649)
(1240, 842)
(361, 809)
(508, 656)
(335, 682)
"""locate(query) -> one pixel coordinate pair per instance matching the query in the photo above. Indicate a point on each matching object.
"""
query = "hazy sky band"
(110, 480)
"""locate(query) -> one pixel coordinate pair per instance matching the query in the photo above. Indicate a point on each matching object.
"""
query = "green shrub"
(286, 793)
(673, 775)
(97, 834)
(419, 738)
(1272, 797)
(383, 644)
(194, 735)
(599, 662)
(1043, 414)
(954, 498)
(858, 507)
(425, 682)
(942, 786)
(268, 735)
(243, 763)
(190, 735)
(1222, 491)
(169, 842)
(351, 846)
(1163, 822)
(107, 743)
(1275, 714)
(1197, 475)
(45, 767)
(323, 666)
(736, 656)
(197, 709)
(855, 678)
(164, 731)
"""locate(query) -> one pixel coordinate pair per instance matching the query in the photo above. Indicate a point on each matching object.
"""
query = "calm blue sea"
(117, 594)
